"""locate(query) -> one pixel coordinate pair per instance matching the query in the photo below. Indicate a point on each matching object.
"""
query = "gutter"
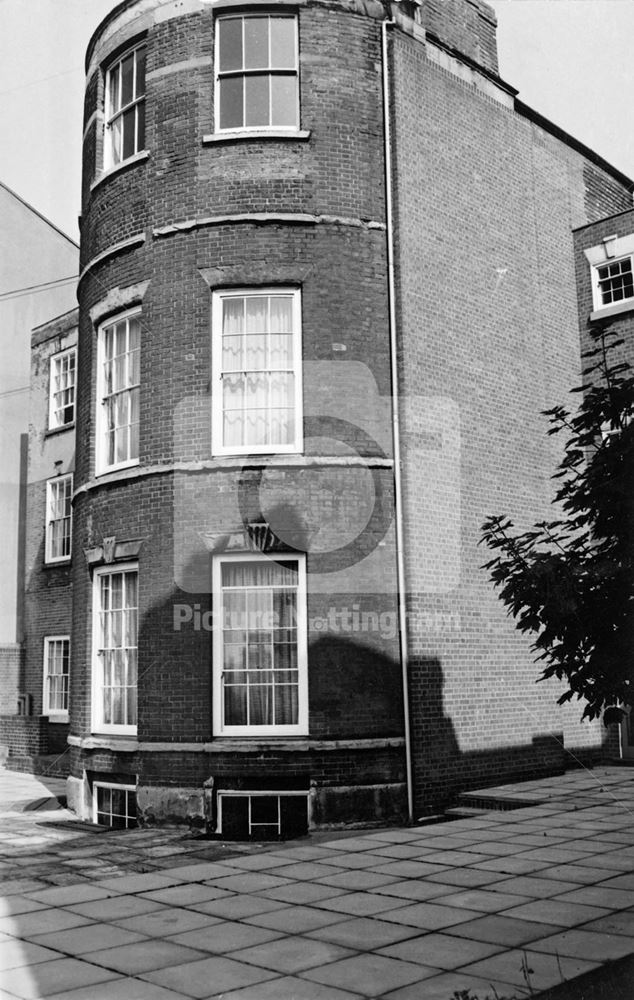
(396, 433)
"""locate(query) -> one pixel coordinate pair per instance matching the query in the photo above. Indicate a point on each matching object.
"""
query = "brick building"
(604, 260)
(36, 736)
(38, 279)
(327, 287)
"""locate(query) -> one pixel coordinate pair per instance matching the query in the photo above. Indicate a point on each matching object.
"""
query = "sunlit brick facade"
(300, 221)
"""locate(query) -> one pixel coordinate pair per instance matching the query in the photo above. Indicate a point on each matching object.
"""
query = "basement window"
(268, 815)
(114, 805)
(257, 72)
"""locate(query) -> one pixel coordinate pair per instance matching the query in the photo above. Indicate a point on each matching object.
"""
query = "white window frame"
(51, 484)
(596, 286)
(113, 786)
(101, 447)
(609, 251)
(98, 724)
(269, 71)
(111, 116)
(217, 398)
(280, 793)
(219, 726)
(54, 423)
(54, 714)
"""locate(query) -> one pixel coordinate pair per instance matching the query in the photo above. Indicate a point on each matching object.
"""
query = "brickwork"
(354, 679)
(24, 735)
(485, 198)
(48, 591)
(339, 172)
(489, 332)
(468, 27)
(621, 323)
(11, 669)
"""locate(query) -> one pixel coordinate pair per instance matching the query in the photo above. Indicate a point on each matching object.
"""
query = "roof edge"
(48, 222)
(576, 144)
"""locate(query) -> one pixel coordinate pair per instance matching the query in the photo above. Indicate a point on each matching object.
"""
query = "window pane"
(127, 80)
(140, 112)
(284, 101)
(264, 808)
(129, 127)
(256, 42)
(231, 96)
(140, 72)
(115, 103)
(281, 313)
(235, 705)
(261, 705)
(256, 100)
(232, 355)
(229, 43)
(286, 705)
(283, 43)
(116, 130)
(257, 307)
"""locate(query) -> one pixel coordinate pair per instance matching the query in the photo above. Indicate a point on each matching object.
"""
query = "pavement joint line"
(598, 817)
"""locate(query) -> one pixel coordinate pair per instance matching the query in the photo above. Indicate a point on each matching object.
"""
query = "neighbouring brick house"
(48, 591)
(38, 279)
(41, 729)
(604, 261)
(327, 287)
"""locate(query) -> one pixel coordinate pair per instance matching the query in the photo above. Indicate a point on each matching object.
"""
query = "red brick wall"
(354, 678)
(468, 26)
(24, 735)
(485, 204)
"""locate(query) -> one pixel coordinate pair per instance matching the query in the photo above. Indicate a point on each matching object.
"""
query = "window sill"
(57, 718)
(117, 468)
(52, 431)
(102, 741)
(54, 563)
(617, 309)
(256, 135)
(112, 171)
(256, 744)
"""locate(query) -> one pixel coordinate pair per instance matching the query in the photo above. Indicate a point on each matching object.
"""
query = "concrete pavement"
(513, 901)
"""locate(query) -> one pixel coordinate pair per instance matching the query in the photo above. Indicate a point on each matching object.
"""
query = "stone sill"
(617, 309)
(256, 135)
(52, 431)
(112, 171)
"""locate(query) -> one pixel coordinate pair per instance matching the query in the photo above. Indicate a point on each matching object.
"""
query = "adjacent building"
(327, 287)
(38, 280)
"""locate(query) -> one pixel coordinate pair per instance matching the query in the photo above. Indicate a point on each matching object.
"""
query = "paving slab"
(528, 969)
(440, 950)
(225, 936)
(365, 933)
(371, 975)
(404, 914)
(209, 977)
(289, 988)
(143, 956)
(47, 978)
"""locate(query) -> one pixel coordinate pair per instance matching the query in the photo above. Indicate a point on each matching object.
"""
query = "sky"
(571, 60)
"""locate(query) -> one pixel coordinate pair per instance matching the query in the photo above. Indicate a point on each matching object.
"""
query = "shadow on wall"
(441, 770)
